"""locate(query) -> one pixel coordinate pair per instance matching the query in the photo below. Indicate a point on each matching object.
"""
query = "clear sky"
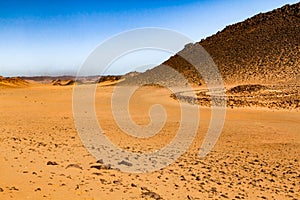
(55, 37)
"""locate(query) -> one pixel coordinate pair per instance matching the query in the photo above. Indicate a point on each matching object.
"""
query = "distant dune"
(63, 82)
(12, 82)
(52, 79)
(47, 79)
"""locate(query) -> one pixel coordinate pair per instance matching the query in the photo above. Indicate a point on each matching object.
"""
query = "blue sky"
(55, 37)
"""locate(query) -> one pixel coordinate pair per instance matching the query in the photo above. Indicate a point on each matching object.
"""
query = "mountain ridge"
(262, 49)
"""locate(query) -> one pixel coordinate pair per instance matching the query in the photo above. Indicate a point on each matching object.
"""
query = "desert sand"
(256, 157)
(42, 156)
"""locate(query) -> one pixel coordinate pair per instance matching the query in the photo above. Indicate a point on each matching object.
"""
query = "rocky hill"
(59, 82)
(262, 49)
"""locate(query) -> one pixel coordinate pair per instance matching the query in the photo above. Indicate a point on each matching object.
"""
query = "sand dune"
(12, 82)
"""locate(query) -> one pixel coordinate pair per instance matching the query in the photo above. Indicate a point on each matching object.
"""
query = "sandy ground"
(42, 157)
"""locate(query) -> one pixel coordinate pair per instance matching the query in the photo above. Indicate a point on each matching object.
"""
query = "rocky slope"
(261, 49)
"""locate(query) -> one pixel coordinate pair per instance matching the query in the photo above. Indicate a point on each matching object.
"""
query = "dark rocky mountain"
(262, 49)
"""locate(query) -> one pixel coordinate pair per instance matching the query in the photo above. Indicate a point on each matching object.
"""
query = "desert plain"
(42, 157)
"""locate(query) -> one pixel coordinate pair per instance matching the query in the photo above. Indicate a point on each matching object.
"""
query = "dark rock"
(96, 166)
(51, 163)
(14, 188)
(97, 173)
(117, 182)
(149, 194)
(103, 181)
(133, 185)
(74, 166)
(100, 161)
(103, 166)
(123, 162)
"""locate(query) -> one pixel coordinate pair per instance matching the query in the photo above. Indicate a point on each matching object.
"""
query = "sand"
(42, 156)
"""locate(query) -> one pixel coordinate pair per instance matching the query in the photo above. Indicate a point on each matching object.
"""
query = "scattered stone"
(97, 173)
(144, 188)
(117, 182)
(103, 166)
(74, 166)
(151, 195)
(123, 162)
(100, 161)
(96, 166)
(214, 190)
(108, 166)
(14, 188)
(133, 185)
(1, 190)
(51, 163)
(103, 181)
